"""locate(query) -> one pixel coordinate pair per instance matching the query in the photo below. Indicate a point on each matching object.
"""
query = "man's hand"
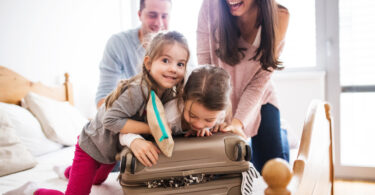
(145, 151)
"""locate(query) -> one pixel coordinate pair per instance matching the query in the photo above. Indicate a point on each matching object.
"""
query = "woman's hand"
(235, 127)
(200, 133)
(145, 151)
(219, 127)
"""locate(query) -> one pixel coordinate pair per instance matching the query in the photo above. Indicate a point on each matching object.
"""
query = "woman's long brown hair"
(228, 33)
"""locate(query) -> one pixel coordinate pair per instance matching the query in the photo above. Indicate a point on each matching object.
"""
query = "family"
(238, 45)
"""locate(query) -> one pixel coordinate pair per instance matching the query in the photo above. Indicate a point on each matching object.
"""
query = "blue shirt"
(122, 59)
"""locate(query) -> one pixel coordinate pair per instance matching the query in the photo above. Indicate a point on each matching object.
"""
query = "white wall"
(43, 39)
(295, 91)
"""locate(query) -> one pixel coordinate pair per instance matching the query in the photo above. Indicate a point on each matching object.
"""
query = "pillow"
(28, 130)
(61, 122)
(14, 157)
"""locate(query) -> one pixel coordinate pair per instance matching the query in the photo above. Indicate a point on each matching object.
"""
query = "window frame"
(328, 39)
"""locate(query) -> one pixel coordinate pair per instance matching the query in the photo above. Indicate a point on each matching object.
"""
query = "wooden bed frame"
(14, 87)
(312, 171)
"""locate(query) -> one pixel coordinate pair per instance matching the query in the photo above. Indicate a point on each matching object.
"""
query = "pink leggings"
(84, 173)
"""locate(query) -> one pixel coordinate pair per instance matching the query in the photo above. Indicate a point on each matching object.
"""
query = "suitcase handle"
(132, 165)
(243, 152)
(248, 153)
(239, 152)
(123, 164)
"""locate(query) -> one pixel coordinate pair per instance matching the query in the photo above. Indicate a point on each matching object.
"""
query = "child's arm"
(118, 118)
(133, 126)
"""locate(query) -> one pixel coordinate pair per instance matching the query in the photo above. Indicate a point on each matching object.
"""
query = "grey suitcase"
(199, 165)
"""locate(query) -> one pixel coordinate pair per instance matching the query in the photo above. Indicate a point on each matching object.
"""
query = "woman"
(245, 37)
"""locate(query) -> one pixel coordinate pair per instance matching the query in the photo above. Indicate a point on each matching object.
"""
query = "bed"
(13, 88)
(311, 173)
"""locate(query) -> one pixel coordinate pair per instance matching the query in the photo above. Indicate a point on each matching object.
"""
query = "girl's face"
(239, 7)
(199, 117)
(169, 68)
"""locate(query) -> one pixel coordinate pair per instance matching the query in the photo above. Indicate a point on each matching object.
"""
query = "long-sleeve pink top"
(251, 85)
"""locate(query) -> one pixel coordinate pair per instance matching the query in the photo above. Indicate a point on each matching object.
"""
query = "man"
(124, 52)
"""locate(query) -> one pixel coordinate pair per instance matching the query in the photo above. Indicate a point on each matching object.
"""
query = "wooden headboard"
(14, 87)
(313, 169)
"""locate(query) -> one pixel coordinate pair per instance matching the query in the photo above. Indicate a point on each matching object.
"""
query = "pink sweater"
(251, 84)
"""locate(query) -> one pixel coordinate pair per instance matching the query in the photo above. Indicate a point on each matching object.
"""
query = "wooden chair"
(313, 170)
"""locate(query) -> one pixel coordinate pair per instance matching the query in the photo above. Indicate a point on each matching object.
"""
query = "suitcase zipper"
(175, 182)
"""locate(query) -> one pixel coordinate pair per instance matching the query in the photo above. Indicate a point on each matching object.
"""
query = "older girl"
(164, 69)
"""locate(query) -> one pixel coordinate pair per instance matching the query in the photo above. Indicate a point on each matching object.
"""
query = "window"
(185, 20)
(300, 42)
(357, 81)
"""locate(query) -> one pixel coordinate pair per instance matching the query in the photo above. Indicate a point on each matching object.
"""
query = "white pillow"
(61, 122)
(14, 157)
(28, 129)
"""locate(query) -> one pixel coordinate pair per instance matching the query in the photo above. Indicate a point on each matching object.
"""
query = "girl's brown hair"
(154, 50)
(210, 86)
(228, 31)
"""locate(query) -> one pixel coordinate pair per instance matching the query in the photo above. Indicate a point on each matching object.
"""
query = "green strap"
(161, 125)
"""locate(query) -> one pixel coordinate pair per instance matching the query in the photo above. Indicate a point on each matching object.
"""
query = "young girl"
(201, 110)
(164, 69)
(206, 102)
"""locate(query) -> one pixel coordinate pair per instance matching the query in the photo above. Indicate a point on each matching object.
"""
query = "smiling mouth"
(170, 77)
(155, 28)
(235, 4)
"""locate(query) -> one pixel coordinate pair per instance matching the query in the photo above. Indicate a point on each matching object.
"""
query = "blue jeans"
(271, 141)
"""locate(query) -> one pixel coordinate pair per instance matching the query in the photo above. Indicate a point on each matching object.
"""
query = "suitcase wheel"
(248, 153)
(239, 152)
(123, 164)
(132, 165)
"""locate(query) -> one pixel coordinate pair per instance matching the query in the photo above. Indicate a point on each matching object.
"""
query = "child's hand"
(200, 133)
(145, 151)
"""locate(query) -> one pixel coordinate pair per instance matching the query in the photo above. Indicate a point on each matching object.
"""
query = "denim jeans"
(271, 141)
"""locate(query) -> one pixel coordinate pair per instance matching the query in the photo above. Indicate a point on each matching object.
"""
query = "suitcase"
(199, 165)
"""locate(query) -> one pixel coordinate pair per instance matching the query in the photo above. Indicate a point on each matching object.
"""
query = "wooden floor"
(344, 187)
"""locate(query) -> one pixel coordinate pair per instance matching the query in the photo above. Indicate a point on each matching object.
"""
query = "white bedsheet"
(47, 178)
